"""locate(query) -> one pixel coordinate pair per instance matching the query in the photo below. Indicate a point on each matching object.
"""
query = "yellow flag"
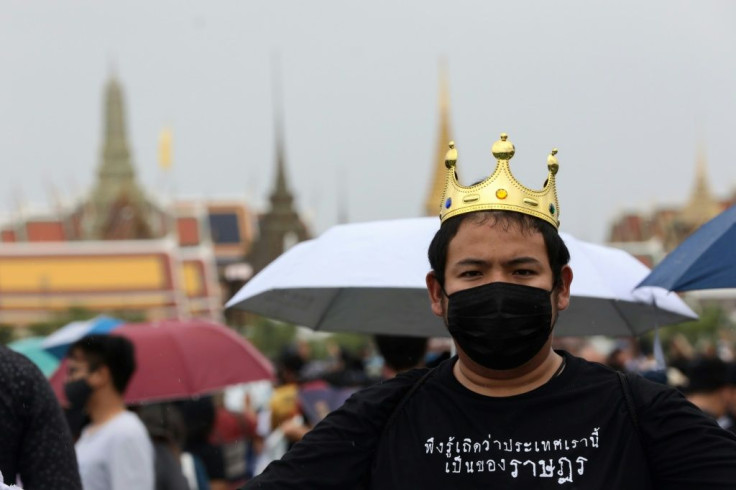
(164, 149)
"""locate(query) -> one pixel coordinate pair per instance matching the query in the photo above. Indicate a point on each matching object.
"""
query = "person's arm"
(295, 429)
(47, 458)
(685, 448)
(337, 453)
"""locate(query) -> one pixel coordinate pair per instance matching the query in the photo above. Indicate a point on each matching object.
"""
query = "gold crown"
(500, 191)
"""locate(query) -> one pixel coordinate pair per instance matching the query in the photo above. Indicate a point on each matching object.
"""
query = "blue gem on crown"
(448, 203)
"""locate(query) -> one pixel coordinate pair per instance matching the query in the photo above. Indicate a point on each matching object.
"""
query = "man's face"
(486, 252)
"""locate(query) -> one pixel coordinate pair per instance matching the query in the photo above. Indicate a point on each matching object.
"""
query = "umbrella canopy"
(181, 359)
(604, 301)
(705, 260)
(369, 277)
(58, 342)
(31, 348)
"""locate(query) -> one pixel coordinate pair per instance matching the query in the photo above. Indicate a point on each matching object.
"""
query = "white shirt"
(118, 455)
(3, 486)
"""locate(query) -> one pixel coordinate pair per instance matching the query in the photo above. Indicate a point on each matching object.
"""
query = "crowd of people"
(206, 443)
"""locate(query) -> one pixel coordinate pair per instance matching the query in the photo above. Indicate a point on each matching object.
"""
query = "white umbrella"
(369, 277)
(603, 297)
(58, 342)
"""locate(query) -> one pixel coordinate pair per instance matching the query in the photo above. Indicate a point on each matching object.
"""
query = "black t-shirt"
(573, 432)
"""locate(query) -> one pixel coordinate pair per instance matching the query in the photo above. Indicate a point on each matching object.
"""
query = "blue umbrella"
(31, 348)
(58, 342)
(705, 260)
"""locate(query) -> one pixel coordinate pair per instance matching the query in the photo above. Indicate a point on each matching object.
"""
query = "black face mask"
(500, 325)
(77, 393)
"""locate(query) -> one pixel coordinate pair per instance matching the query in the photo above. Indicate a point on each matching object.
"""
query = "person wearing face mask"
(114, 451)
(508, 411)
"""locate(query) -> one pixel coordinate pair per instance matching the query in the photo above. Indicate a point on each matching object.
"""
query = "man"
(400, 353)
(199, 420)
(35, 442)
(508, 411)
(707, 389)
(285, 422)
(114, 451)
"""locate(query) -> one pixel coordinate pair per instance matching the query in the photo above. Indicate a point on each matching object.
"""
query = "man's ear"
(563, 291)
(435, 294)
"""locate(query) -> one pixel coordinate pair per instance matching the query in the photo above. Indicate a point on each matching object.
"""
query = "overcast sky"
(626, 90)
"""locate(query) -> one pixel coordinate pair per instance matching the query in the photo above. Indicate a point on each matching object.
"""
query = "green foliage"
(7, 334)
(269, 336)
(78, 313)
(43, 329)
(713, 320)
(128, 316)
(355, 343)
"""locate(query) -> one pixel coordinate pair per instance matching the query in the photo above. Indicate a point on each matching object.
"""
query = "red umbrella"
(184, 358)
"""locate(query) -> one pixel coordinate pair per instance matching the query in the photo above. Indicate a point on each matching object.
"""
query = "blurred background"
(179, 148)
(159, 154)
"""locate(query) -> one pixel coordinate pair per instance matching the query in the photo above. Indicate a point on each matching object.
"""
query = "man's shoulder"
(377, 402)
(128, 426)
(644, 391)
(410, 377)
(407, 381)
(130, 420)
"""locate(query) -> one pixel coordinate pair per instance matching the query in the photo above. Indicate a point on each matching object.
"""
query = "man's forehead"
(486, 240)
(499, 221)
(494, 232)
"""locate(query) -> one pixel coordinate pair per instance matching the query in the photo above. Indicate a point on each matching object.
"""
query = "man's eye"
(469, 273)
(523, 272)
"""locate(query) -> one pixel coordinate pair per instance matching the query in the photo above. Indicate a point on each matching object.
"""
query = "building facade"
(651, 235)
(121, 250)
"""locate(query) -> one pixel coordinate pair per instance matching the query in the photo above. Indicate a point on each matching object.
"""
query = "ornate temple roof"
(444, 135)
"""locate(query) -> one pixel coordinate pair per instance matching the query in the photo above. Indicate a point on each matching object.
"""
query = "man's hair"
(557, 252)
(113, 351)
(706, 375)
(401, 353)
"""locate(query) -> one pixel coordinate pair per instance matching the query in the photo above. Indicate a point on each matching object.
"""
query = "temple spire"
(444, 135)
(281, 226)
(281, 197)
(115, 153)
(117, 208)
(702, 206)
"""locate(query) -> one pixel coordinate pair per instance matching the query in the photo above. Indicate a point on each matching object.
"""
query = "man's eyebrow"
(469, 262)
(523, 261)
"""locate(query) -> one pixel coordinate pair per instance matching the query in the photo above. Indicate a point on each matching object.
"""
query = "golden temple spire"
(702, 206)
(437, 186)
(117, 206)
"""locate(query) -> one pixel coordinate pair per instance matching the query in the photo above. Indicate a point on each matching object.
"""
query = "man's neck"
(543, 367)
(710, 403)
(105, 406)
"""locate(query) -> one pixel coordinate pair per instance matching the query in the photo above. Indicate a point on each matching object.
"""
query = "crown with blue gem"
(500, 191)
